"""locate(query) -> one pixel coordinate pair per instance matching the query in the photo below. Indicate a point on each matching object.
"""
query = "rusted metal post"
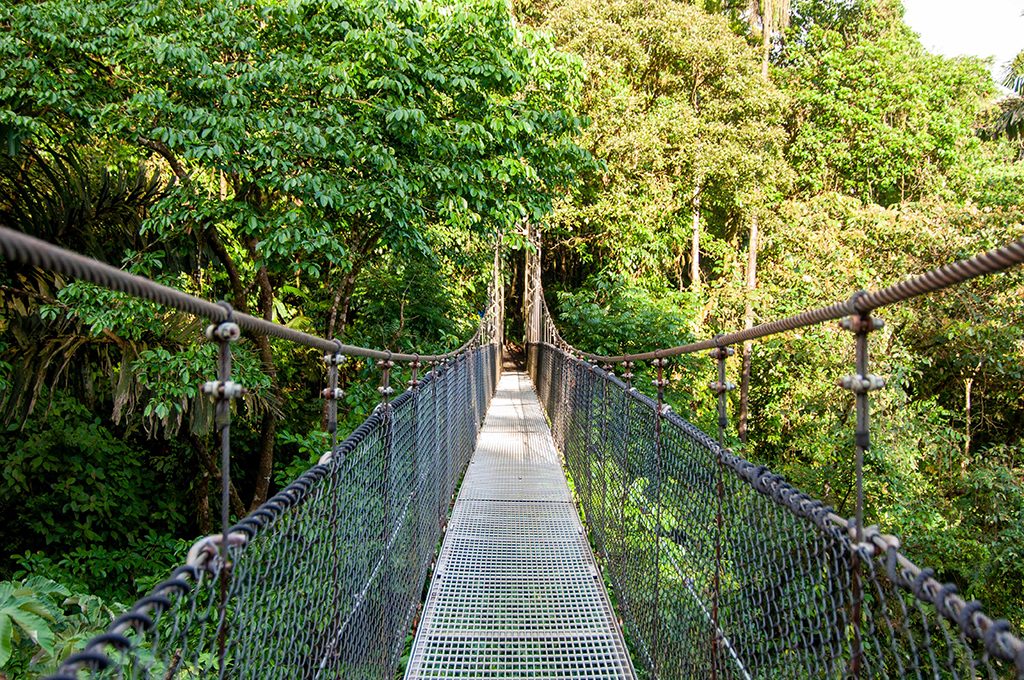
(860, 383)
(721, 388)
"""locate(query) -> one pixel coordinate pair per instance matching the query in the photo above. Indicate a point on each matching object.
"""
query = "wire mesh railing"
(325, 578)
(722, 569)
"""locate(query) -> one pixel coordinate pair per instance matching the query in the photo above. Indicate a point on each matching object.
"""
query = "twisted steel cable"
(862, 303)
(786, 609)
(31, 251)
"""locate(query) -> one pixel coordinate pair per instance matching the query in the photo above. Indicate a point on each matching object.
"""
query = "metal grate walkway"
(516, 592)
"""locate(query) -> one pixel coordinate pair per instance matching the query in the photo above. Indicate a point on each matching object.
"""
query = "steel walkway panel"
(516, 592)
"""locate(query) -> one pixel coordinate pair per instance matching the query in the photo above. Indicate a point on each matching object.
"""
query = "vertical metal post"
(224, 390)
(417, 483)
(435, 426)
(862, 382)
(332, 394)
(386, 391)
(660, 382)
(605, 456)
(626, 482)
(722, 388)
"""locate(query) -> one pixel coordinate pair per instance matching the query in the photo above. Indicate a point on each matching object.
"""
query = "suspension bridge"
(594, 534)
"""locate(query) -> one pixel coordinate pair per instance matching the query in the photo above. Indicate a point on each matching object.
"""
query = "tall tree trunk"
(268, 424)
(748, 322)
(968, 384)
(695, 243)
(766, 36)
(337, 320)
(203, 520)
(212, 469)
(968, 417)
(768, 13)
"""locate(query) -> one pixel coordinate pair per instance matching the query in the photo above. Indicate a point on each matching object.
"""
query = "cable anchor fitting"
(627, 374)
(385, 388)
(861, 324)
(332, 394)
(224, 332)
(414, 367)
(861, 384)
(661, 382)
(209, 553)
(721, 387)
(333, 362)
(223, 389)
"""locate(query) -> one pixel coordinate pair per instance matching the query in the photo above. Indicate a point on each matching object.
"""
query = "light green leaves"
(27, 611)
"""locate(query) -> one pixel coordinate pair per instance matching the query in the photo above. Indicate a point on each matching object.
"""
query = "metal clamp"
(721, 352)
(862, 324)
(227, 389)
(721, 388)
(861, 384)
(627, 373)
(415, 366)
(336, 359)
(385, 388)
(207, 552)
(660, 381)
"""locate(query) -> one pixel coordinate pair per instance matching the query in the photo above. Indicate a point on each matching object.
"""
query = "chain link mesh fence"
(323, 580)
(721, 569)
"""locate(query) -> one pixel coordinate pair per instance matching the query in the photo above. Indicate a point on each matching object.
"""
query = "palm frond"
(1013, 74)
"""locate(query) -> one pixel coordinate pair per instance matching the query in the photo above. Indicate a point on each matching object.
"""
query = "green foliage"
(1013, 74)
(42, 622)
(612, 316)
(682, 121)
(890, 179)
(875, 116)
(343, 167)
(70, 485)
(340, 167)
(927, 447)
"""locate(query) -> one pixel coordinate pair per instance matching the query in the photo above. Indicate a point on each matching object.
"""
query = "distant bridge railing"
(324, 579)
(722, 569)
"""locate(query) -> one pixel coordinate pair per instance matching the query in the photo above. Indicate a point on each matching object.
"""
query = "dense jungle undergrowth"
(345, 167)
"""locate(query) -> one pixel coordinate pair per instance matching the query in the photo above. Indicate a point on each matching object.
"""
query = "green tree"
(688, 134)
(1008, 120)
(875, 116)
(304, 138)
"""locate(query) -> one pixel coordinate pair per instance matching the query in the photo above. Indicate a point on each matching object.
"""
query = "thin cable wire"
(787, 605)
(29, 250)
(991, 262)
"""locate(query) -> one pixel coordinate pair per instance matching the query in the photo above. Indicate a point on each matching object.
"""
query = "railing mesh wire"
(721, 569)
(323, 580)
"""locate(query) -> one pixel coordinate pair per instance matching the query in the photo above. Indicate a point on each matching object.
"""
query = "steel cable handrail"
(29, 250)
(861, 303)
(997, 636)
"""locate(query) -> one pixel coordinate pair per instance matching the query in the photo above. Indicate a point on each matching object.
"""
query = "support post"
(224, 390)
(385, 390)
(332, 394)
(860, 383)
(660, 382)
(721, 388)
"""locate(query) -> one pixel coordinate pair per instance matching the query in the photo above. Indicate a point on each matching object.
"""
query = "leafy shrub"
(42, 623)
